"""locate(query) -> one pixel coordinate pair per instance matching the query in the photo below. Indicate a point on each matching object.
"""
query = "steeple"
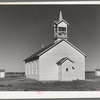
(60, 28)
(60, 16)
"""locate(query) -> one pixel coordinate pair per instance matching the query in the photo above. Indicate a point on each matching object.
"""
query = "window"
(73, 67)
(62, 28)
(66, 69)
(32, 68)
(29, 68)
(26, 69)
(36, 68)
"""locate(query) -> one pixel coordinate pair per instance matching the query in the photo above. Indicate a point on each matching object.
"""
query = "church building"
(59, 61)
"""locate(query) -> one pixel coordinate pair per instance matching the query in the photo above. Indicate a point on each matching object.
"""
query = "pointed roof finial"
(60, 16)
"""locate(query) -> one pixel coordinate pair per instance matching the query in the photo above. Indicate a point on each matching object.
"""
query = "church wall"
(31, 70)
(48, 67)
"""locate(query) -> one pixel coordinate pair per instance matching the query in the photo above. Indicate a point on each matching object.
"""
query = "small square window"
(66, 69)
(73, 67)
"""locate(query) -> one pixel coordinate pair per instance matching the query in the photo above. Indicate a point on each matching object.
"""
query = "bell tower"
(60, 28)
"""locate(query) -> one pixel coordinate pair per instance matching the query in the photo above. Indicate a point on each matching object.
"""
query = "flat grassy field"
(20, 83)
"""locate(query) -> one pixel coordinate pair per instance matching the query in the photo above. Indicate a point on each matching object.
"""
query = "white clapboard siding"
(49, 69)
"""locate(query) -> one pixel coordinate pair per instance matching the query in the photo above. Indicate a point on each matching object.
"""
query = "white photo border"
(49, 94)
(52, 3)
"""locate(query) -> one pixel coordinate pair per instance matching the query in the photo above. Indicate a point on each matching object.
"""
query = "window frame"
(36, 66)
(62, 29)
(66, 69)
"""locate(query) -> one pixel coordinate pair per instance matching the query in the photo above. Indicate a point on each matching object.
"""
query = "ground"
(20, 83)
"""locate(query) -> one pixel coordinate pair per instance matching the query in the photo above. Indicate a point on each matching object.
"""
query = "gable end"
(45, 49)
(60, 62)
(60, 42)
(58, 22)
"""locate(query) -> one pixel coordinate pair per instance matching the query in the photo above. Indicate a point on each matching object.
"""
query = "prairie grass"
(20, 83)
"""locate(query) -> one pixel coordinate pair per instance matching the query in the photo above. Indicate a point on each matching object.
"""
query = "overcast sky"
(24, 28)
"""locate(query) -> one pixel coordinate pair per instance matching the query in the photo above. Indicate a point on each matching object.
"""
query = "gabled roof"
(63, 60)
(36, 55)
(58, 22)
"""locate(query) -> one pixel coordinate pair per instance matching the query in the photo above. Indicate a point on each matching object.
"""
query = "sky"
(23, 29)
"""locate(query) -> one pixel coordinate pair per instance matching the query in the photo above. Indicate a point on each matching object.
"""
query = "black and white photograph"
(50, 48)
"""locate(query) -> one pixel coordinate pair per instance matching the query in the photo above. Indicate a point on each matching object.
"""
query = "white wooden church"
(59, 61)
